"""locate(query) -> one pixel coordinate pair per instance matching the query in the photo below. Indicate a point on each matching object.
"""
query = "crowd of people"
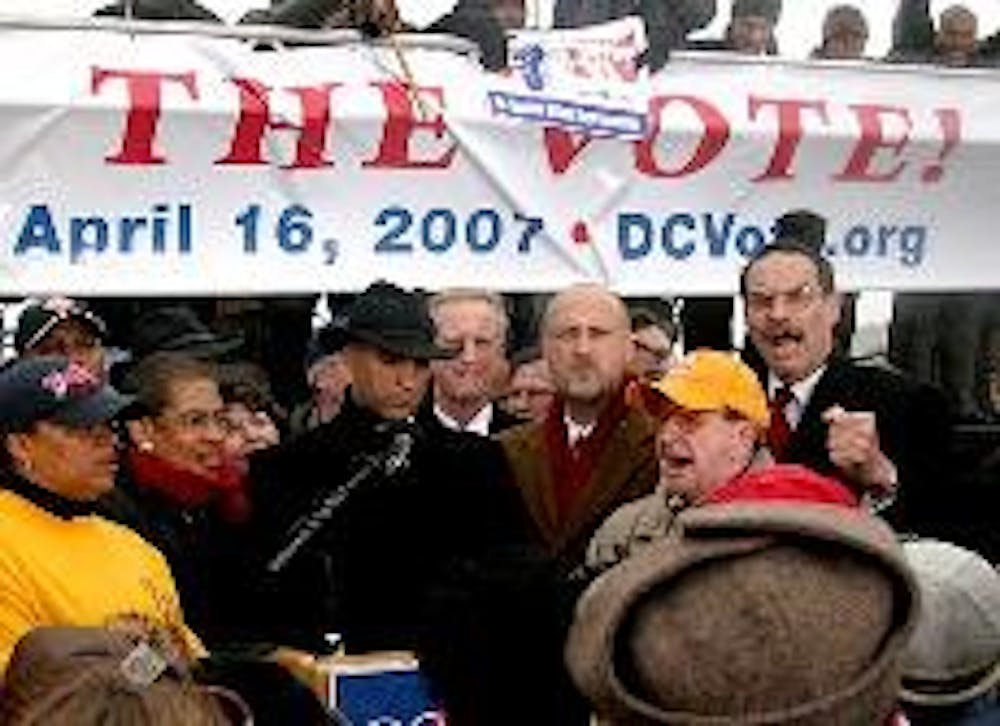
(560, 514)
(592, 525)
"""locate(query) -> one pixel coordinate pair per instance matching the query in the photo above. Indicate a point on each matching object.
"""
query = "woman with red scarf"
(179, 489)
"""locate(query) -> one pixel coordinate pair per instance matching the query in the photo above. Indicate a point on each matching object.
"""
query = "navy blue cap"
(52, 388)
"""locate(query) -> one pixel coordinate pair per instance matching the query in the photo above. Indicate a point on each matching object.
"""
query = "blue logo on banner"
(529, 60)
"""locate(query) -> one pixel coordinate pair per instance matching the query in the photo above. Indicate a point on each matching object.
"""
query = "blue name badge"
(373, 691)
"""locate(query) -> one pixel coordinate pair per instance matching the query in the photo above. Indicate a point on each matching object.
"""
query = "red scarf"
(572, 467)
(225, 489)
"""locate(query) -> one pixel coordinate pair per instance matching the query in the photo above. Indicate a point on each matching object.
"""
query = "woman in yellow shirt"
(61, 564)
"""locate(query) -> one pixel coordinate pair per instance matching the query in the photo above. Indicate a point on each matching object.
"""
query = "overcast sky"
(798, 32)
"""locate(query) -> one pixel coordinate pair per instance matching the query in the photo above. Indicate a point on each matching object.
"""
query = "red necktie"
(779, 432)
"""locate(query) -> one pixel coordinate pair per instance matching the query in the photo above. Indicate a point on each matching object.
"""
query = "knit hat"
(769, 9)
(710, 380)
(753, 614)
(954, 655)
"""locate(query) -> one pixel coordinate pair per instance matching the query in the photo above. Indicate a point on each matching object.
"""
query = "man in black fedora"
(358, 518)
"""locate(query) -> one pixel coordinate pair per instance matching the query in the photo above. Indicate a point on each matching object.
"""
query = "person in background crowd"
(531, 391)
(177, 488)
(60, 326)
(954, 43)
(359, 560)
(593, 451)
(751, 28)
(756, 612)
(951, 666)
(177, 329)
(471, 19)
(62, 676)
(253, 419)
(652, 343)
(509, 13)
(845, 34)
(866, 426)
(328, 377)
(60, 563)
(667, 23)
(472, 324)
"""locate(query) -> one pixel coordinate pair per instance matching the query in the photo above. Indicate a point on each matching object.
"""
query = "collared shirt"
(478, 424)
(575, 432)
(802, 391)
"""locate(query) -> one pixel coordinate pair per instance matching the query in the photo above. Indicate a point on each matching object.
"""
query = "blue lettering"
(912, 243)
(885, 235)
(750, 240)
(718, 238)
(686, 221)
(627, 223)
(38, 231)
(79, 239)
(858, 241)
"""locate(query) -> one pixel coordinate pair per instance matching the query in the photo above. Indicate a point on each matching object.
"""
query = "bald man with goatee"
(593, 451)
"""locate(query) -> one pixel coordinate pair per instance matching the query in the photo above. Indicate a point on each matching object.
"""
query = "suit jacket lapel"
(529, 457)
(614, 472)
(808, 441)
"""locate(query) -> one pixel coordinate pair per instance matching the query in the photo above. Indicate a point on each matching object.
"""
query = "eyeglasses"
(199, 420)
(793, 301)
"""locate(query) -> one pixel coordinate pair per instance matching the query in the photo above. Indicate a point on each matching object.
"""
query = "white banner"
(183, 164)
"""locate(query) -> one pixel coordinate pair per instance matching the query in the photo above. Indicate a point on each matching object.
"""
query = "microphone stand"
(306, 527)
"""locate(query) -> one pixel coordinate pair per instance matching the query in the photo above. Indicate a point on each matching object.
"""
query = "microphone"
(382, 465)
(397, 456)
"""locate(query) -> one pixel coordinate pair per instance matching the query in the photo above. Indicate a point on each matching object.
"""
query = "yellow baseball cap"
(710, 380)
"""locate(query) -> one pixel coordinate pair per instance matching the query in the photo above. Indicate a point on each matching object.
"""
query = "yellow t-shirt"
(81, 571)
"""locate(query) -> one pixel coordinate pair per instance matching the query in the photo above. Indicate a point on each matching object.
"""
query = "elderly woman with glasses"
(178, 487)
(60, 564)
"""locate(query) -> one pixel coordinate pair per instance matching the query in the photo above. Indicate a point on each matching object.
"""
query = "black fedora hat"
(388, 318)
(178, 329)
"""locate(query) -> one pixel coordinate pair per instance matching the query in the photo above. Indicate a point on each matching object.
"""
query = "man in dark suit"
(363, 559)
(870, 427)
(472, 324)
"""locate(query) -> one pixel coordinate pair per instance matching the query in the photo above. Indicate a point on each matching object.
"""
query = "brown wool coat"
(625, 470)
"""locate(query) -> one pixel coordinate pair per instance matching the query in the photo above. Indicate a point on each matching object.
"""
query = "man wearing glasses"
(867, 426)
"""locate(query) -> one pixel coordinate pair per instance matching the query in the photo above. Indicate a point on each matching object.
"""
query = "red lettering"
(255, 119)
(859, 166)
(563, 148)
(789, 132)
(713, 139)
(400, 125)
(144, 94)
(950, 121)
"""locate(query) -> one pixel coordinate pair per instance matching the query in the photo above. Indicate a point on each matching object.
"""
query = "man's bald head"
(586, 342)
